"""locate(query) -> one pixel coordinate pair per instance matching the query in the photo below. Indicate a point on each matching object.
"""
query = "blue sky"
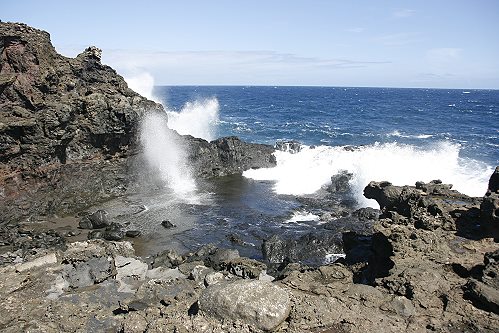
(442, 44)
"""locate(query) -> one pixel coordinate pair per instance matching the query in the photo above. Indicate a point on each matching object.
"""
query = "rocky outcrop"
(68, 130)
(226, 156)
(490, 205)
(56, 109)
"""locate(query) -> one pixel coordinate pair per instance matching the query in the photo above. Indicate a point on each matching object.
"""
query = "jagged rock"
(292, 146)
(168, 258)
(494, 181)
(68, 131)
(489, 208)
(260, 304)
(244, 268)
(490, 274)
(312, 246)
(340, 183)
(226, 156)
(485, 296)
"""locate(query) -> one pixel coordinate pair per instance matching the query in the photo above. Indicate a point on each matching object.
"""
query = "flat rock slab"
(257, 303)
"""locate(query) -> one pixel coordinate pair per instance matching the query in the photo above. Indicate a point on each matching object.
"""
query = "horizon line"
(315, 86)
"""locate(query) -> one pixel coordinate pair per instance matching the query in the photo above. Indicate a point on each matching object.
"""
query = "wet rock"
(489, 208)
(133, 233)
(494, 181)
(114, 232)
(292, 146)
(260, 304)
(167, 224)
(340, 183)
(96, 220)
(226, 156)
(311, 247)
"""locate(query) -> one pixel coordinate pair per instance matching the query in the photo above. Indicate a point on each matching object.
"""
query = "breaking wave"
(307, 171)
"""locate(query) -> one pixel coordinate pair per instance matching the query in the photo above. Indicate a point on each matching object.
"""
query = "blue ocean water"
(353, 116)
(397, 135)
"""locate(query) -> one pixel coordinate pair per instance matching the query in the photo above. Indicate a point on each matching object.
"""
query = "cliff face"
(55, 109)
(68, 130)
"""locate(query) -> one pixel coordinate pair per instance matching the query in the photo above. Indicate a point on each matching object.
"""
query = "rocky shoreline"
(428, 261)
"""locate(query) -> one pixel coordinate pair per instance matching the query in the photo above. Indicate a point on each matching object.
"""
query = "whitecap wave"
(307, 171)
(407, 136)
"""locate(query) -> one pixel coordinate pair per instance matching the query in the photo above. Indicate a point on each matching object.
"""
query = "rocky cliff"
(68, 130)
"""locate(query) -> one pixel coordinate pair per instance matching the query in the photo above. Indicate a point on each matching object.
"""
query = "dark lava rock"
(490, 206)
(244, 267)
(292, 146)
(226, 156)
(494, 181)
(27, 240)
(309, 248)
(96, 220)
(340, 183)
(113, 232)
(167, 224)
(133, 233)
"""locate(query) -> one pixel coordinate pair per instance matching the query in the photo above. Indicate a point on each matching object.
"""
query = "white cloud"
(403, 13)
(228, 67)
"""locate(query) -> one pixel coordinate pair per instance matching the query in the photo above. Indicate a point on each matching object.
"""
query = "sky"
(425, 43)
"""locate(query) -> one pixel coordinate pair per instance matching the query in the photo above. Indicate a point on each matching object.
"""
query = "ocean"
(398, 135)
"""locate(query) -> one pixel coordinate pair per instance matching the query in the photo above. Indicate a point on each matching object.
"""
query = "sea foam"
(307, 171)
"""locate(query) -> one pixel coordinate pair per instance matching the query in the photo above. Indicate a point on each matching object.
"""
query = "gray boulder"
(257, 303)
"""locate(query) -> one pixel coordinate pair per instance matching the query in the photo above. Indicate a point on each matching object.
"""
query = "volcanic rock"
(260, 304)
(68, 131)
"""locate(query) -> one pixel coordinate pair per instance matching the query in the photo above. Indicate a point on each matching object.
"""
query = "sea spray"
(307, 171)
(198, 118)
(143, 83)
(165, 153)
